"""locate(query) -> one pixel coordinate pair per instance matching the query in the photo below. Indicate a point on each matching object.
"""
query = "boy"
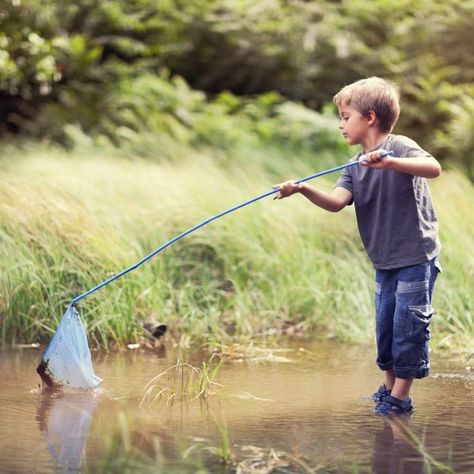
(398, 227)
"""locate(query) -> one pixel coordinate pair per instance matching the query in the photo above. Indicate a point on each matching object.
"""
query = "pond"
(300, 408)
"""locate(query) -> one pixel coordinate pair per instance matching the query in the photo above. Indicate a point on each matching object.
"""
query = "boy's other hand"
(374, 160)
(286, 189)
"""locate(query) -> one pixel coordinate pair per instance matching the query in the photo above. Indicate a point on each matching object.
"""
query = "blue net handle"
(209, 220)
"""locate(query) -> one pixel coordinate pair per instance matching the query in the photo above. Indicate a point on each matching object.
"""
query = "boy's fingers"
(375, 155)
(286, 189)
(368, 159)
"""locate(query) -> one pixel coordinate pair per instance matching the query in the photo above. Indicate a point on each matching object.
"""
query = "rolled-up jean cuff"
(411, 372)
(385, 365)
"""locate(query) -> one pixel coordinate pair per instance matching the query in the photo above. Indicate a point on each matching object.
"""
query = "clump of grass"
(183, 382)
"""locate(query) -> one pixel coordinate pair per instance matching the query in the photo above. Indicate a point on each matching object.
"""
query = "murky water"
(298, 411)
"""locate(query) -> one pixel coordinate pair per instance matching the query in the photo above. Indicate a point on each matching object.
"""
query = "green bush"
(68, 64)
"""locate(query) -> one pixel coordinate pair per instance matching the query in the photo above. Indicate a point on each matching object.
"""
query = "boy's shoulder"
(403, 146)
(403, 141)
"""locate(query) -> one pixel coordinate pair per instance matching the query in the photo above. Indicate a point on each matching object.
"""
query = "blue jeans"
(403, 314)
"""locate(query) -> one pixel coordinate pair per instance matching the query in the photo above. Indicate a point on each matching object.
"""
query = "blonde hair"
(376, 94)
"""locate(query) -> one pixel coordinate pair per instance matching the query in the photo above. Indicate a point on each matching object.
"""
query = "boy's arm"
(333, 202)
(426, 166)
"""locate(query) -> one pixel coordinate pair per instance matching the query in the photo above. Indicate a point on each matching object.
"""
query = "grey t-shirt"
(396, 218)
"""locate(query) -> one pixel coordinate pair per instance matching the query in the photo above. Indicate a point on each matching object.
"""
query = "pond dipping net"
(67, 361)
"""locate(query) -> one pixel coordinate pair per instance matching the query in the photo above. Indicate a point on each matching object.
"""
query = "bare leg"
(401, 388)
(389, 378)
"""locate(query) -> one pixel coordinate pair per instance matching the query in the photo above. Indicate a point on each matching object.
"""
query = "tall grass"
(69, 221)
(454, 300)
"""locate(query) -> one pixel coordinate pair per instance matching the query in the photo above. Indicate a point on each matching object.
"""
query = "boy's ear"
(371, 117)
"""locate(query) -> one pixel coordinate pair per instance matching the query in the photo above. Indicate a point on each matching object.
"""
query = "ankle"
(401, 388)
(389, 379)
(400, 395)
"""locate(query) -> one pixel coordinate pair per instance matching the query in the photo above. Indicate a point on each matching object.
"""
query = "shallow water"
(294, 411)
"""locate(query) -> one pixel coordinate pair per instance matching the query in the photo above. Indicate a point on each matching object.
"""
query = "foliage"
(456, 138)
(153, 116)
(102, 66)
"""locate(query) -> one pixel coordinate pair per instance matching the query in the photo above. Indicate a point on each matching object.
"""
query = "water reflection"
(397, 449)
(65, 421)
(311, 410)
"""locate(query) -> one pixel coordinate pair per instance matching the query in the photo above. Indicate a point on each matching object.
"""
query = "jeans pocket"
(419, 320)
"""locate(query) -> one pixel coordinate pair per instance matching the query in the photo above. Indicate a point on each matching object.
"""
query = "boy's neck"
(374, 140)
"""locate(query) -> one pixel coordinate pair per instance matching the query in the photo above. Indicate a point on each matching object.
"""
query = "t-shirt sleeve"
(345, 181)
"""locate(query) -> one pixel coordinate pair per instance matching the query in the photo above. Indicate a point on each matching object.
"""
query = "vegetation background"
(125, 122)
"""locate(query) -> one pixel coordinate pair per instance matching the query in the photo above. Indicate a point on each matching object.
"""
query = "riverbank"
(69, 220)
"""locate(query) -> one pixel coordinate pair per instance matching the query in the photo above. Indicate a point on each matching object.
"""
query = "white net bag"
(67, 361)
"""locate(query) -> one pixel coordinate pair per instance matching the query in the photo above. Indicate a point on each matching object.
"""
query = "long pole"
(207, 221)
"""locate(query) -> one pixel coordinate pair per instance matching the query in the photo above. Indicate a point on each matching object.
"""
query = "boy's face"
(353, 125)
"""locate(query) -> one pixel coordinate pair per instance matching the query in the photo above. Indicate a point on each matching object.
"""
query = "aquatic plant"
(183, 382)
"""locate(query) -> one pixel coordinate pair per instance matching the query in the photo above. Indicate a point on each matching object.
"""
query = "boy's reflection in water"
(397, 450)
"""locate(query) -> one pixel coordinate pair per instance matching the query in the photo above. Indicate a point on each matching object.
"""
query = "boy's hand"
(374, 160)
(286, 189)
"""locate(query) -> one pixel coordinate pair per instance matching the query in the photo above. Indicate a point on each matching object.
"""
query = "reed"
(183, 382)
(70, 220)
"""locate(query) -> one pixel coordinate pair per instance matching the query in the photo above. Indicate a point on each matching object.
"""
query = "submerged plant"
(183, 381)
